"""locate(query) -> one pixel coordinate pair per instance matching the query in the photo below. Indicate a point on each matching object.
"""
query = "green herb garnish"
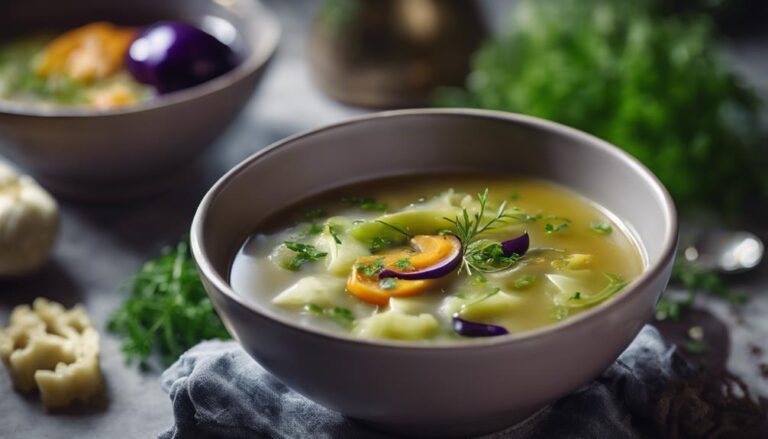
(468, 227)
(341, 316)
(524, 282)
(696, 280)
(404, 264)
(380, 243)
(372, 269)
(305, 253)
(601, 228)
(550, 229)
(397, 229)
(167, 310)
(334, 234)
(609, 69)
(366, 203)
(575, 296)
(487, 256)
(313, 229)
(615, 284)
(388, 283)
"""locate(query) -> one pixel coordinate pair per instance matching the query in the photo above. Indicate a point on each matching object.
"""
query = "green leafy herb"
(404, 264)
(304, 253)
(380, 243)
(615, 284)
(388, 283)
(468, 227)
(601, 228)
(341, 316)
(550, 229)
(372, 269)
(524, 282)
(656, 86)
(696, 280)
(334, 234)
(365, 203)
(167, 310)
(488, 256)
(397, 229)
(313, 229)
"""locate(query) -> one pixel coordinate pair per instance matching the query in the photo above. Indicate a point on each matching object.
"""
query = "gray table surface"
(102, 245)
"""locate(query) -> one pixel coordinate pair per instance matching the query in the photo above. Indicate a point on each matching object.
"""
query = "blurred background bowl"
(97, 154)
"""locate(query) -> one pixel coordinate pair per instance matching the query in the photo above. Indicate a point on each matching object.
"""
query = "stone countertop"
(100, 246)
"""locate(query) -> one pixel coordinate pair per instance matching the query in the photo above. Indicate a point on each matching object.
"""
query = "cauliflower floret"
(29, 223)
(53, 350)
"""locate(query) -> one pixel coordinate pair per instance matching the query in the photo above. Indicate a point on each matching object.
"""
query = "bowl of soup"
(436, 272)
(101, 100)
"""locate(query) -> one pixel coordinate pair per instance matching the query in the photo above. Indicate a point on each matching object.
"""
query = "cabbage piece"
(321, 290)
(574, 292)
(494, 304)
(414, 222)
(397, 326)
(341, 255)
(414, 305)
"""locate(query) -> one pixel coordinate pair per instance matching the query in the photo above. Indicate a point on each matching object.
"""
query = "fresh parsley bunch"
(167, 310)
(652, 85)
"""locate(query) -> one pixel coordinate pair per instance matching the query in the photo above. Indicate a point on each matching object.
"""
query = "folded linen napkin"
(218, 391)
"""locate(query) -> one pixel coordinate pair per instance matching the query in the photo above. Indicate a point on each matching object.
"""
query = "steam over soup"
(438, 258)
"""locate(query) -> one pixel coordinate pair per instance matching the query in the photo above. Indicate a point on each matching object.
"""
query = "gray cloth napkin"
(218, 391)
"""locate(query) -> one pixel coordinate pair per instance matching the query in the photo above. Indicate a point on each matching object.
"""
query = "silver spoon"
(726, 251)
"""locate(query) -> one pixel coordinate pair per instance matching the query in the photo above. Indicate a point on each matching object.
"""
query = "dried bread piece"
(54, 350)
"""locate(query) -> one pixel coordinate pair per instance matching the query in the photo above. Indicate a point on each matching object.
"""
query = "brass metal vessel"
(392, 53)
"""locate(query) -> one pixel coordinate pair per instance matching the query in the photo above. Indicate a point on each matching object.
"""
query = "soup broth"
(437, 258)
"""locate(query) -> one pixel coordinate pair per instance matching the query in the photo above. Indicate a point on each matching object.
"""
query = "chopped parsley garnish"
(404, 264)
(380, 243)
(304, 253)
(575, 296)
(550, 228)
(524, 282)
(341, 316)
(601, 228)
(488, 256)
(388, 283)
(313, 229)
(366, 203)
(372, 269)
(334, 234)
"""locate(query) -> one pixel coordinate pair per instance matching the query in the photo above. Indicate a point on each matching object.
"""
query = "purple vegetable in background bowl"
(172, 56)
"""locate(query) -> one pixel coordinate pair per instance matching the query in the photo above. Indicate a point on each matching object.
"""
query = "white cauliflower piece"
(53, 350)
(29, 223)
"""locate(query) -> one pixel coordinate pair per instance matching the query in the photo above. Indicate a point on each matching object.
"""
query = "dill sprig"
(468, 227)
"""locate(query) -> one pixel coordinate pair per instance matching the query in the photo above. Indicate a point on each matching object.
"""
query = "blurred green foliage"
(654, 85)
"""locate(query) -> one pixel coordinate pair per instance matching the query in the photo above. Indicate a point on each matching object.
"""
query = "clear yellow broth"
(566, 269)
